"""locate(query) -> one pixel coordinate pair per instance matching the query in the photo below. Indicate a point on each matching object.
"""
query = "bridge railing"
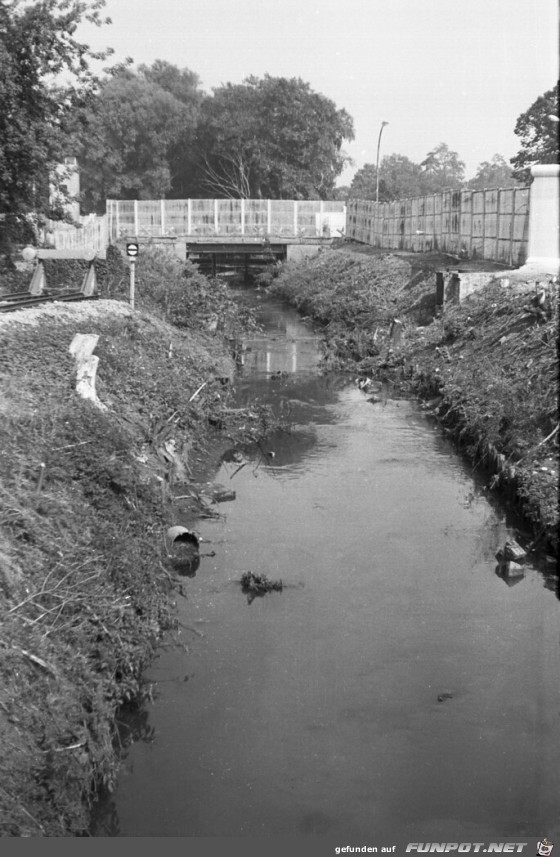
(486, 224)
(225, 217)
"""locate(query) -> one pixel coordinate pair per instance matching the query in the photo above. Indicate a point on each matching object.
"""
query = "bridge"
(222, 235)
(505, 225)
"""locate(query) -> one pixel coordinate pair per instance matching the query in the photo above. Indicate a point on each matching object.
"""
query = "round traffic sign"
(132, 248)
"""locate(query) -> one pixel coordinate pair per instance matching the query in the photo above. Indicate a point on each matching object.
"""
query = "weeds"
(84, 499)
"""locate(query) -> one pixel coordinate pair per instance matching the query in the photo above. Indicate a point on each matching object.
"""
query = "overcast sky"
(453, 71)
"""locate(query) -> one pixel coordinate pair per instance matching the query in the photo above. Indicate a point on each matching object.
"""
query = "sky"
(452, 71)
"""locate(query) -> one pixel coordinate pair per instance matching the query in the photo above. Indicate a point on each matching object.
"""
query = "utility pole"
(377, 164)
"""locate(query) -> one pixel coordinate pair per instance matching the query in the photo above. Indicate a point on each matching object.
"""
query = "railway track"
(19, 300)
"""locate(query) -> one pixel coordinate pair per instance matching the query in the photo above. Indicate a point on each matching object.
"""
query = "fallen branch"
(548, 437)
(38, 661)
(196, 392)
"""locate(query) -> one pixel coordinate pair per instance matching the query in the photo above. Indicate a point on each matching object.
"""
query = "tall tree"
(494, 173)
(128, 139)
(538, 133)
(271, 137)
(38, 48)
(442, 170)
(184, 85)
(399, 178)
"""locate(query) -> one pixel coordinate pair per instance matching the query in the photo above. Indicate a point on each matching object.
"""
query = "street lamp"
(377, 165)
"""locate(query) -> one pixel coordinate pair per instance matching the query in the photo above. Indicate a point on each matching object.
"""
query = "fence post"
(189, 216)
(216, 216)
(484, 223)
(242, 216)
(162, 207)
(498, 203)
(512, 226)
(471, 223)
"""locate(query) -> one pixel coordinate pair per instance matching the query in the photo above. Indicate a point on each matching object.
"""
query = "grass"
(86, 494)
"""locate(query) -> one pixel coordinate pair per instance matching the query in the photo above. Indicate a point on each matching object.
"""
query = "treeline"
(153, 133)
(442, 169)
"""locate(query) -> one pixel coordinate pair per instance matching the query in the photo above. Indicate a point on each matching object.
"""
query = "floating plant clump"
(253, 584)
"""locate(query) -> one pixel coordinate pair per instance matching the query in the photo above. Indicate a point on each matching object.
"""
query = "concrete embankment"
(487, 368)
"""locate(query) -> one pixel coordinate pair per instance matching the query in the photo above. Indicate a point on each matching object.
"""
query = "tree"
(399, 178)
(363, 184)
(442, 170)
(127, 140)
(271, 137)
(184, 85)
(38, 49)
(538, 133)
(494, 173)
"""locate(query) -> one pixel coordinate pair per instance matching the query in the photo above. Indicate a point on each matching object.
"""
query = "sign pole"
(132, 253)
(132, 284)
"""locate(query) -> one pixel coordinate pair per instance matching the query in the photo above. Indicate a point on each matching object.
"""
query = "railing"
(486, 224)
(224, 217)
(91, 235)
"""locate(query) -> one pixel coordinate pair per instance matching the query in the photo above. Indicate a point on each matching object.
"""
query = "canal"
(396, 683)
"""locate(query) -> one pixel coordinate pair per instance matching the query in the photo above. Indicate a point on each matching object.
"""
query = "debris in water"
(183, 550)
(253, 584)
(443, 696)
(510, 571)
(511, 551)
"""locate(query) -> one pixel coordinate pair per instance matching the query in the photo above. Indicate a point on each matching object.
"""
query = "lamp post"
(377, 164)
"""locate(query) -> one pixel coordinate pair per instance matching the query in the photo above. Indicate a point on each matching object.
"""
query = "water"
(315, 710)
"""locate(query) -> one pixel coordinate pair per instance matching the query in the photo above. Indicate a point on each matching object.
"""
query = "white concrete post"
(136, 217)
(544, 234)
(81, 348)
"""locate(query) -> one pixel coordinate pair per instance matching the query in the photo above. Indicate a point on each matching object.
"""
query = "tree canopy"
(132, 136)
(38, 49)
(538, 133)
(494, 173)
(271, 137)
(401, 178)
(442, 170)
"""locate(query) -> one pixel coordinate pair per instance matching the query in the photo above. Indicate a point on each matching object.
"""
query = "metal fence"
(485, 224)
(224, 217)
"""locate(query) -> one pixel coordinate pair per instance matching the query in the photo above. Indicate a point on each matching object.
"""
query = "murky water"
(395, 685)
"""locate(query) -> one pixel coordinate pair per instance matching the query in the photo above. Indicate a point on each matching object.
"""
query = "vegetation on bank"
(86, 495)
(488, 368)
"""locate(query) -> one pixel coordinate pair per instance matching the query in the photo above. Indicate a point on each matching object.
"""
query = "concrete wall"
(488, 224)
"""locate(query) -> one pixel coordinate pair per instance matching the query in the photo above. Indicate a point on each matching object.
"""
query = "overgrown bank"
(487, 368)
(86, 495)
